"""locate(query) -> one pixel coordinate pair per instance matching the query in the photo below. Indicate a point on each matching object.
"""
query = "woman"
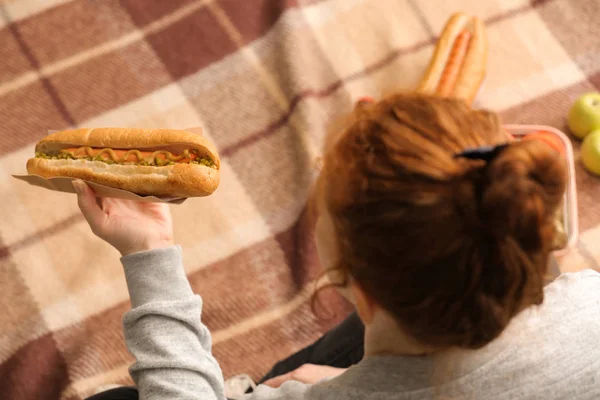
(438, 230)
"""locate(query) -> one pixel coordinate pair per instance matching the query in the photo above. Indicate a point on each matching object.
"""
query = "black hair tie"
(485, 153)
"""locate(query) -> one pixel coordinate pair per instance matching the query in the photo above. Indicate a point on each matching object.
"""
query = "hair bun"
(525, 185)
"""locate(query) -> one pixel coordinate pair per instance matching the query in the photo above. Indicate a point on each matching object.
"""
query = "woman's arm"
(164, 332)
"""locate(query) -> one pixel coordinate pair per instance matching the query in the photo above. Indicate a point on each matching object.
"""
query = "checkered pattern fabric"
(263, 78)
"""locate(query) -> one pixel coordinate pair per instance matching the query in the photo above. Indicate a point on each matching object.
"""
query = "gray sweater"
(547, 352)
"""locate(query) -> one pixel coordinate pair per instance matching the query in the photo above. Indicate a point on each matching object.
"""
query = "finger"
(86, 199)
(278, 380)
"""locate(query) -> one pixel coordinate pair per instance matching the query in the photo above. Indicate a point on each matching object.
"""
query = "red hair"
(453, 248)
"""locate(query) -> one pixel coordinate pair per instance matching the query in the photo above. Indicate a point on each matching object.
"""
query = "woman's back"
(547, 352)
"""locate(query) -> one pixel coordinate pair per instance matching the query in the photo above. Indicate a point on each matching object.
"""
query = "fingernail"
(78, 186)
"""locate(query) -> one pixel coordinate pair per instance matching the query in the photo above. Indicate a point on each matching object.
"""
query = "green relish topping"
(153, 161)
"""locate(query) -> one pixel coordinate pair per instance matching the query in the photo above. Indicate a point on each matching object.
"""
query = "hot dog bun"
(180, 179)
(128, 138)
(470, 67)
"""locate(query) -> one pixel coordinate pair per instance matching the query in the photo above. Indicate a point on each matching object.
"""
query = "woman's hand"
(307, 373)
(129, 226)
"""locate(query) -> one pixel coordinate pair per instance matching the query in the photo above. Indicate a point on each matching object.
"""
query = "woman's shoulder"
(551, 349)
(579, 275)
(571, 306)
(581, 284)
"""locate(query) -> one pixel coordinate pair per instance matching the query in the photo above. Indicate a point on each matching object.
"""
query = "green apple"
(590, 152)
(584, 116)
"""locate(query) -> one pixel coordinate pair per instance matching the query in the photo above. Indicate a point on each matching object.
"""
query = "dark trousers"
(341, 347)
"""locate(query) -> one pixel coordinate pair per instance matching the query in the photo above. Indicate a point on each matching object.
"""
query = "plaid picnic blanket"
(263, 78)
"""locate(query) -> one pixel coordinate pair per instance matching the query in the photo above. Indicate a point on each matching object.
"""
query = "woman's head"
(451, 247)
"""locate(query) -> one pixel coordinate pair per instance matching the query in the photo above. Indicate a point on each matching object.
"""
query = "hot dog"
(457, 68)
(159, 162)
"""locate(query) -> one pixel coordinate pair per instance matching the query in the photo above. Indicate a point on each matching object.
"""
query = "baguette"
(457, 68)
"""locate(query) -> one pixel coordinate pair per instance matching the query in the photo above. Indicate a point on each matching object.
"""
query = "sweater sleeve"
(164, 331)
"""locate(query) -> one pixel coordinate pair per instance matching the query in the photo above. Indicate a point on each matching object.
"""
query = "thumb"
(86, 199)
